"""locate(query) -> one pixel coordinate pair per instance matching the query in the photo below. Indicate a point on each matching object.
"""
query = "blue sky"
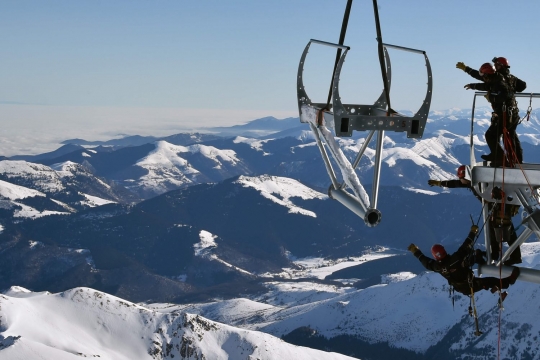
(227, 58)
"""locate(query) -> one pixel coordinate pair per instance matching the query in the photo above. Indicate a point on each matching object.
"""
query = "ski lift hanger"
(345, 118)
(349, 117)
(521, 185)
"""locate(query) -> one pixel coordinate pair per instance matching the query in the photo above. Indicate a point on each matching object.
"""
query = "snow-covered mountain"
(29, 190)
(83, 322)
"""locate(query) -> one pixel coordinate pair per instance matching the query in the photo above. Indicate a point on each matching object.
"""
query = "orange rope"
(509, 147)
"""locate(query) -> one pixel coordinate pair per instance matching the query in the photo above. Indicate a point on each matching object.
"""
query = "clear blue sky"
(241, 55)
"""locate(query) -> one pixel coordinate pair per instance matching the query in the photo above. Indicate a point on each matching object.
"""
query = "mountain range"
(240, 230)
(91, 324)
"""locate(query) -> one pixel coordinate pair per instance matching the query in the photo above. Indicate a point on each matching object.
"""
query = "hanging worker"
(456, 267)
(463, 181)
(501, 229)
(494, 132)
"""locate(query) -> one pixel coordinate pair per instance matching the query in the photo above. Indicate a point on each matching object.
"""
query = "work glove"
(469, 86)
(434, 183)
(474, 229)
(413, 248)
(461, 66)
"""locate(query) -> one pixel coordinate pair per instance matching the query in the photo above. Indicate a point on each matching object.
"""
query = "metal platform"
(521, 186)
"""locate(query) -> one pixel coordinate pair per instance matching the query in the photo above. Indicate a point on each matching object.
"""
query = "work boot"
(496, 163)
(487, 157)
(511, 262)
(479, 257)
(513, 277)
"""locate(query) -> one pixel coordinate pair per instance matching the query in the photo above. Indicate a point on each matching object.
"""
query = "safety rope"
(473, 303)
(472, 256)
(509, 147)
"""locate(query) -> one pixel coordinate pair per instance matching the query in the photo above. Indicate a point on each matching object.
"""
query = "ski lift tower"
(520, 186)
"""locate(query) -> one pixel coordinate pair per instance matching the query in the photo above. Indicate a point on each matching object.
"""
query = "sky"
(99, 69)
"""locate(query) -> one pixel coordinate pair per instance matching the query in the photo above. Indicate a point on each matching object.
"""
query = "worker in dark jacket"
(456, 268)
(494, 132)
(501, 229)
(500, 97)
(460, 182)
(502, 66)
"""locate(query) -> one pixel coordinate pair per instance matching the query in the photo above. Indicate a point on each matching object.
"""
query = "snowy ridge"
(93, 201)
(44, 178)
(280, 190)
(419, 152)
(89, 323)
(168, 170)
(214, 154)
(29, 212)
(70, 169)
(14, 192)
(21, 180)
(254, 143)
(66, 169)
(320, 268)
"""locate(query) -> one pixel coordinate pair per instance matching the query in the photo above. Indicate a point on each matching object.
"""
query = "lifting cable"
(338, 53)
(381, 57)
(342, 34)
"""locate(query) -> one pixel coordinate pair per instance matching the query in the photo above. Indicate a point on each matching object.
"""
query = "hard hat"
(486, 68)
(438, 252)
(501, 61)
(461, 172)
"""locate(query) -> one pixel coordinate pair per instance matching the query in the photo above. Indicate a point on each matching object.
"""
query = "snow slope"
(15, 192)
(43, 177)
(280, 190)
(83, 322)
(408, 311)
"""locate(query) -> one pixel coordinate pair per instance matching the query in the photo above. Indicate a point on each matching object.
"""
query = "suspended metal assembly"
(343, 119)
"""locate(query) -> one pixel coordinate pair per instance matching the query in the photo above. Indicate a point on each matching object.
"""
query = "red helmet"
(486, 68)
(438, 252)
(461, 172)
(501, 61)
